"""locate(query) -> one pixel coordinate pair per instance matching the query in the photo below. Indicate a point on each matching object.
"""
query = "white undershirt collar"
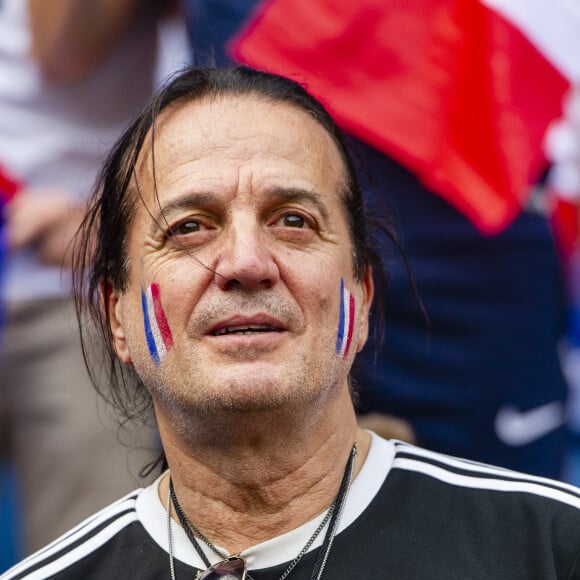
(152, 514)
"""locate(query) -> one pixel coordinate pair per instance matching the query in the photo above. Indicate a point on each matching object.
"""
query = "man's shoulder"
(433, 507)
(471, 475)
(86, 540)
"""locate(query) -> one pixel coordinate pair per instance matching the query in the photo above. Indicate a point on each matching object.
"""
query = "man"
(232, 273)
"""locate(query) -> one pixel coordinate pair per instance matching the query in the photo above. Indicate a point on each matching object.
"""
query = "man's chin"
(248, 395)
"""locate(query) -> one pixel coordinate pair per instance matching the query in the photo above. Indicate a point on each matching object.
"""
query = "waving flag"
(459, 91)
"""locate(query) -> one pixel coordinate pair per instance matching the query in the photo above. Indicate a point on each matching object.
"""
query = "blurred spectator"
(449, 101)
(72, 75)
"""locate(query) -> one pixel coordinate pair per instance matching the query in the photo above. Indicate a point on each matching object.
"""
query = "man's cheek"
(157, 331)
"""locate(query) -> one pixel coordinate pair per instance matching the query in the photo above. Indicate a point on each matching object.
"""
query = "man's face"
(241, 292)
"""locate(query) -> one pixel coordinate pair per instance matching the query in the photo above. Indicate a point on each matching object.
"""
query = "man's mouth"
(246, 329)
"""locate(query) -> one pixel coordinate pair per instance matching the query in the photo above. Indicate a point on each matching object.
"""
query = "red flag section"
(450, 88)
(8, 185)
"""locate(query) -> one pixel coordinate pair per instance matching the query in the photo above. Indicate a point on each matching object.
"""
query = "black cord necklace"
(332, 517)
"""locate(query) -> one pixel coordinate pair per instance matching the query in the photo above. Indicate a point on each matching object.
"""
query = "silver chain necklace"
(331, 533)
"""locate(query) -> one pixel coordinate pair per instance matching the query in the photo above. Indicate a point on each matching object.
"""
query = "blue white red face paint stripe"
(345, 321)
(157, 331)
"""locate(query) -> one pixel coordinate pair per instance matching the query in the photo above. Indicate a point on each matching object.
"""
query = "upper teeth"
(244, 329)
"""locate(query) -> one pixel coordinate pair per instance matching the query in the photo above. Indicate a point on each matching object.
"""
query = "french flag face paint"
(345, 321)
(157, 331)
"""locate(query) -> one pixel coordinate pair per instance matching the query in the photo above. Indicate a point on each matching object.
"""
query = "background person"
(72, 74)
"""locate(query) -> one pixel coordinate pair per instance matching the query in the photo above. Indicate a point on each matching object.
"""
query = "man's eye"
(293, 221)
(184, 228)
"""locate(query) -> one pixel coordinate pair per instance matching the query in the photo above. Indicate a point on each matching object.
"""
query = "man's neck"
(270, 482)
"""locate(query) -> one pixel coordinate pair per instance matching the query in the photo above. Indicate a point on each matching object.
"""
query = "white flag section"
(553, 26)
(562, 145)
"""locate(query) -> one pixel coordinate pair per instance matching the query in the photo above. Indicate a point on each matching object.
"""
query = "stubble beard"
(214, 403)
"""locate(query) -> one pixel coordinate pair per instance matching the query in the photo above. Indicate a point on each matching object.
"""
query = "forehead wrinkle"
(230, 133)
(172, 145)
(169, 147)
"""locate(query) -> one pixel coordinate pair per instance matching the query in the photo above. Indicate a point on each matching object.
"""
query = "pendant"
(231, 569)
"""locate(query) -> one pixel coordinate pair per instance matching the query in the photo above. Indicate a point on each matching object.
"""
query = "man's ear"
(368, 292)
(112, 304)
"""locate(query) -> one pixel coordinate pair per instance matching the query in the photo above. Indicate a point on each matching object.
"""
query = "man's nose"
(246, 259)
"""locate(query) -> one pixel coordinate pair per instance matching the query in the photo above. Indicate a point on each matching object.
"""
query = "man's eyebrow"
(281, 194)
(194, 199)
(305, 196)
